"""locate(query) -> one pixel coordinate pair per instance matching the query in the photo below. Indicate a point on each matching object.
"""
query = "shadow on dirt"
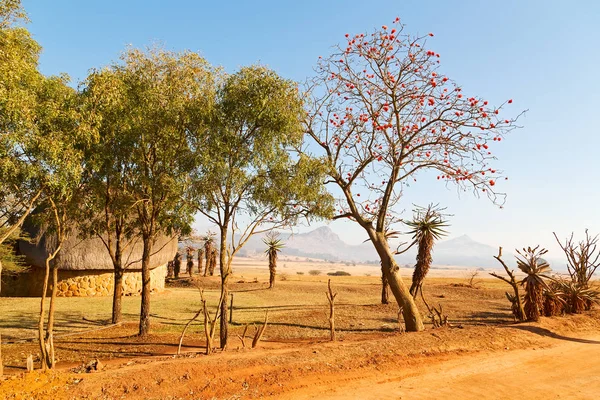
(548, 333)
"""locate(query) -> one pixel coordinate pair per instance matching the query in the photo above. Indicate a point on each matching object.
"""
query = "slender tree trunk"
(225, 271)
(385, 293)
(41, 338)
(50, 328)
(145, 307)
(412, 317)
(117, 295)
(118, 280)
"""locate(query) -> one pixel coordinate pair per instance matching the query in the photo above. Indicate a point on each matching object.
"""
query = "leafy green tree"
(54, 150)
(248, 180)
(19, 82)
(155, 99)
(108, 212)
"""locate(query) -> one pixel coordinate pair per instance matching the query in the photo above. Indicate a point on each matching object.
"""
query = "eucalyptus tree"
(248, 180)
(148, 103)
(54, 150)
(19, 82)
(108, 211)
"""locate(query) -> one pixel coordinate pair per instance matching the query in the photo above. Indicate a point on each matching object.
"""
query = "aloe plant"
(274, 246)
(427, 226)
(531, 263)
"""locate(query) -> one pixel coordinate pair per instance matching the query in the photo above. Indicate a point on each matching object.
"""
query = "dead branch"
(400, 320)
(185, 329)
(472, 282)
(243, 336)
(210, 325)
(582, 258)
(331, 298)
(259, 332)
(438, 318)
(518, 309)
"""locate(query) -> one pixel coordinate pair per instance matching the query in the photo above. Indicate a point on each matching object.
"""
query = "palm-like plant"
(200, 259)
(209, 240)
(427, 226)
(530, 262)
(274, 246)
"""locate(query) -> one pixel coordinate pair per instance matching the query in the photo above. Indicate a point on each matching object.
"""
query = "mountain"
(325, 244)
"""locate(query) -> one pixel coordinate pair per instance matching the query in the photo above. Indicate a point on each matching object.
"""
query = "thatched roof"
(91, 254)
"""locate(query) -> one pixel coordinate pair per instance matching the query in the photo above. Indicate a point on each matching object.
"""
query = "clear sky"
(543, 54)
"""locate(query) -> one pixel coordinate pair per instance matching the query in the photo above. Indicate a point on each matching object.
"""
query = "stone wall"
(81, 283)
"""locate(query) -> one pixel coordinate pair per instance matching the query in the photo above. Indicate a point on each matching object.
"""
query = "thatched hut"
(85, 267)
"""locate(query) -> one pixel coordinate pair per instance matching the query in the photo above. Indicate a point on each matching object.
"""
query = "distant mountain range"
(323, 243)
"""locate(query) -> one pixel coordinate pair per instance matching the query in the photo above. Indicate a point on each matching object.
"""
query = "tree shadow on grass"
(548, 333)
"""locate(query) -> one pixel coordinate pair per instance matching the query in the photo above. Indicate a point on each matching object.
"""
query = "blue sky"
(543, 54)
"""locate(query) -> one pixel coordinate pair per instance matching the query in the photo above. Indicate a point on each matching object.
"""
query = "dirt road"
(570, 369)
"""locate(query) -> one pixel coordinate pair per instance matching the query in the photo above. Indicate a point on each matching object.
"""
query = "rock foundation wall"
(81, 283)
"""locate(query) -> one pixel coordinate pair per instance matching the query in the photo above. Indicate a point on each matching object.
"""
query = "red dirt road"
(570, 369)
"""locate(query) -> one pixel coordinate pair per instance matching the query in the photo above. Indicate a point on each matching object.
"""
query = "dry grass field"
(294, 351)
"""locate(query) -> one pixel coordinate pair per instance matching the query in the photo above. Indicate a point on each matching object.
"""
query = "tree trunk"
(118, 279)
(117, 295)
(272, 270)
(50, 328)
(41, 338)
(412, 318)
(225, 271)
(385, 293)
(145, 307)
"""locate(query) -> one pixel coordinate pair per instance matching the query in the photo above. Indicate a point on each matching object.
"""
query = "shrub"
(300, 273)
(314, 272)
(283, 277)
(339, 273)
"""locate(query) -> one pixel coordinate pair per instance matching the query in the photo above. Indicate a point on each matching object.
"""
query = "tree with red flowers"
(381, 112)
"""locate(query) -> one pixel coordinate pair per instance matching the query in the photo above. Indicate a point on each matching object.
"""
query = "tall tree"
(381, 113)
(251, 182)
(108, 213)
(156, 98)
(55, 149)
(19, 83)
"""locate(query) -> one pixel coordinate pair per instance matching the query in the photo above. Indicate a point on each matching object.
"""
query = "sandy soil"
(569, 370)
(557, 358)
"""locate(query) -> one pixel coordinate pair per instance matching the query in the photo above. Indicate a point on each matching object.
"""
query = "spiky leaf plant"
(554, 300)
(530, 262)
(577, 298)
(427, 226)
(274, 246)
